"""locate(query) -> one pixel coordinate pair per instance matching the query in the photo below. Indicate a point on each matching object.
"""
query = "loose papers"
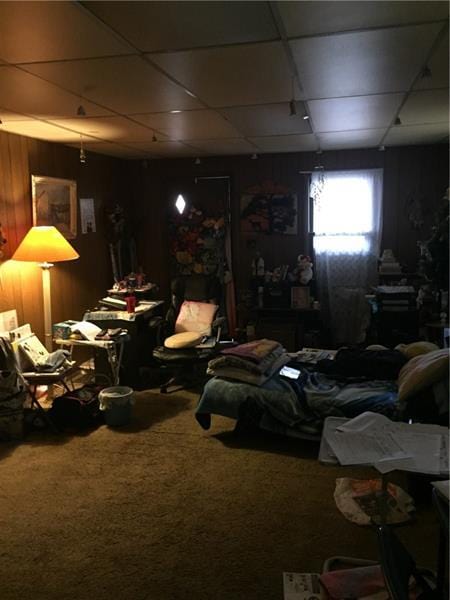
(374, 439)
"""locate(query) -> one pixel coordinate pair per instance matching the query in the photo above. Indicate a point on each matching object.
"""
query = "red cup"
(131, 303)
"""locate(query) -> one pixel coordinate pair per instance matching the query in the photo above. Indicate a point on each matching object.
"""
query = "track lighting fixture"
(82, 152)
(292, 105)
(1, 122)
(382, 148)
(426, 72)
(254, 156)
(81, 112)
(154, 138)
(197, 161)
(306, 116)
(292, 108)
(397, 121)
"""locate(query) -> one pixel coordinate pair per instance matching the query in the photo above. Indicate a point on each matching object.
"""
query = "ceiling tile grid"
(219, 77)
(156, 26)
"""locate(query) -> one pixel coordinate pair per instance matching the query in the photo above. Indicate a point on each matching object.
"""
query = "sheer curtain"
(347, 209)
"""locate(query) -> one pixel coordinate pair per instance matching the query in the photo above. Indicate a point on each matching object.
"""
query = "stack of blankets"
(254, 362)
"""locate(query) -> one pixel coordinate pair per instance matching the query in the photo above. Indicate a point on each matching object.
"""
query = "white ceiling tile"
(311, 18)
(109, 128)
(111, 149)
(439, 66)
(25, 93)
(40, 130)
(245, 74)
(52, 31)
(363, 138)
(286, 143)
(367, 62)
(126, 84)
(359, 112)
(431, 133)
(269, 119)
(154, 26)
(189, 125)
(430, 106)
(6, 115)
(166, 149)
(230, 146)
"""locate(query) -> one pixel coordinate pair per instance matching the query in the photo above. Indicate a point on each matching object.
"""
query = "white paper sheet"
(353, 448)
(424, 450)
(366, 420)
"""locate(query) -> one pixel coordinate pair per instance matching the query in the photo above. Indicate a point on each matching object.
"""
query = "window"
(346, 210)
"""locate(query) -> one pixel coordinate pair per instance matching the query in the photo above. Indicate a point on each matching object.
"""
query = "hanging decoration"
(197, 243)
(269, 208)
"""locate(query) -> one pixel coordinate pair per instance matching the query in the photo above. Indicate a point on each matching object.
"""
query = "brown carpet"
(166, 511)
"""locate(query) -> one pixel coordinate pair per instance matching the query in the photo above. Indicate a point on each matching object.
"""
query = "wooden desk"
(288, 326)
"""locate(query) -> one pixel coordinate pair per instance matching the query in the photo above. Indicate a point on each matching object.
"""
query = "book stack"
(396, 298)
(389, 264)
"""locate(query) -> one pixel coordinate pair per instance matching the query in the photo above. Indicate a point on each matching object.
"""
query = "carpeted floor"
(166, 511)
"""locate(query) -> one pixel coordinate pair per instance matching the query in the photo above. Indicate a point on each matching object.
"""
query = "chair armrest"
(218, 322)
(162, 327)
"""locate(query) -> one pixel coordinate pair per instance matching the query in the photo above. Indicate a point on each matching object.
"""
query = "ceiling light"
(82, 152)
(254, 156)
(382, 148)
(154, 138)
(180, 204)
(81, 112)
(174, 112)
(426, 72)
(190, 94)
(197, 161)
(292, 108)
(397, 121)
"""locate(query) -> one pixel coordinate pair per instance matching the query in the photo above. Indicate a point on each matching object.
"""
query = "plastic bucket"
(117, 404)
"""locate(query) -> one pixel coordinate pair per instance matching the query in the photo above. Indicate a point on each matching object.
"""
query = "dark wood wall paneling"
(76, 285)
(420, 171)
(142, 188)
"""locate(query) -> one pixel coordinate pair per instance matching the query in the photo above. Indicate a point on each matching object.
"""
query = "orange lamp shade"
(44, 244)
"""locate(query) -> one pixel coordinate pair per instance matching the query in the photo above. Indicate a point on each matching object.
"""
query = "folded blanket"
(245, 376)
(255, 351)
(236, 362)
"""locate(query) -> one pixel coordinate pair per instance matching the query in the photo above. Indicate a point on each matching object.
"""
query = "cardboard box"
(62, 331)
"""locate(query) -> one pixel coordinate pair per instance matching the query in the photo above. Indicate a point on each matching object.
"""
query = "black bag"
(78, 409)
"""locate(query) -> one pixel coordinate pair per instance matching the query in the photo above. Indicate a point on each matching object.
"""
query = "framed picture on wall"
(55, 203)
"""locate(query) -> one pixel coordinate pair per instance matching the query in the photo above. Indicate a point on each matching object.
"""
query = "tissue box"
(62, 331)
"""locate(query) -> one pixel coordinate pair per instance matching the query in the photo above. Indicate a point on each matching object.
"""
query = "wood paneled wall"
(76, 285)
(416, 171)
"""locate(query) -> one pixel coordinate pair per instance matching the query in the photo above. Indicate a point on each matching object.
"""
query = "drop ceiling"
(170, 79)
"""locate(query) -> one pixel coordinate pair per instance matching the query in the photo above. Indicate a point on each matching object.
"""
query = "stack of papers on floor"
(373, 439)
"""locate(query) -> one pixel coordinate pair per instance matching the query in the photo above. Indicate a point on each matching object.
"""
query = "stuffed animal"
(304, 269)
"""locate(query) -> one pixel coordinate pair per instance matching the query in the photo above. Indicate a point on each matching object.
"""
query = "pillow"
(195, 316)
(416, 348)
(182, 340)
(421, 372)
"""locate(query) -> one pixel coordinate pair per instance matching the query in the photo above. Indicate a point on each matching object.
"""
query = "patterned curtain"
(347, 209)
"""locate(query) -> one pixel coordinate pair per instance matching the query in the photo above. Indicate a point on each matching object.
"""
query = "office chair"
(184, 363)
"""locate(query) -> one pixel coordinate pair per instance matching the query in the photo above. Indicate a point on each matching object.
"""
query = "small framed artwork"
(55, 203)
(300, 297)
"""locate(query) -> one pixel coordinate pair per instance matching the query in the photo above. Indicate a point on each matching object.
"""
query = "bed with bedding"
(400, 384)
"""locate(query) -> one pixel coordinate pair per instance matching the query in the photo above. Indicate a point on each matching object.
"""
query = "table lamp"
(45, 245)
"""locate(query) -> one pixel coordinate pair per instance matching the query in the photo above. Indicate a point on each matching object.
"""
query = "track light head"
(254, 156)
(81, 112)
(197, 161)
(292, 108)
(397, 121)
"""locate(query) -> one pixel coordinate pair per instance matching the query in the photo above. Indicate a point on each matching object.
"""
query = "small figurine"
(304, 269)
